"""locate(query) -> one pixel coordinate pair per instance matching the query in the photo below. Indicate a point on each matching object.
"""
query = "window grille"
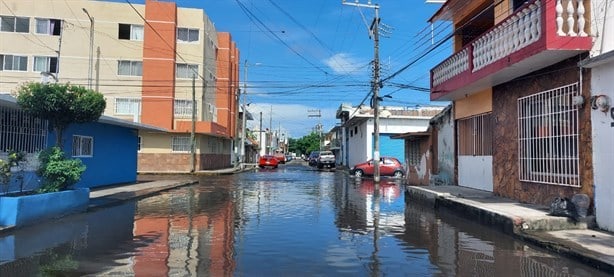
(127, 106)
(130, 68)
(548, 137)
(82, 146)
(180, 144)
(413, 152)
(187, 35)
(21, 132)
(46, 64)
(183, 108)
(185, 70)
(475, 135)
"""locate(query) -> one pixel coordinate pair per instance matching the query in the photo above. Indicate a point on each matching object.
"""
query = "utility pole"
(260, 134)
(318, 114)
(91, 56)
(244, 118)
(270, 130)
(375, 85)
(193, 132)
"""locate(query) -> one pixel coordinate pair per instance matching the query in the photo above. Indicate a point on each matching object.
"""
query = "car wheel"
(358, 173)
(398, 174)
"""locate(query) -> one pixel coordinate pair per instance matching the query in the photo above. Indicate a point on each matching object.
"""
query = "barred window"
(183, 108)
(82, 146)
(21, 132)
(127, 106)
(413, 152)
(475, 135)
(180, 144)
(548, 135)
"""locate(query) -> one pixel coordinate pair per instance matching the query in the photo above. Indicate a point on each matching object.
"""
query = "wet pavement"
(289, 221)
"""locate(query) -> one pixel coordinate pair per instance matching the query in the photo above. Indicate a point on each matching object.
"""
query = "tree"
(305, 144)
(61, 104)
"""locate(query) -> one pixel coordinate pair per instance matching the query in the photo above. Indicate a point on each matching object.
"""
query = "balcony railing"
(537, 22)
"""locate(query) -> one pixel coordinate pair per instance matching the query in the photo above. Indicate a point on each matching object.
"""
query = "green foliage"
(15, 159)
(58, 173)
(61, 104)
(305, 144)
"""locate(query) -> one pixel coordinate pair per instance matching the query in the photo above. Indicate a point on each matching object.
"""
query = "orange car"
(268, 161)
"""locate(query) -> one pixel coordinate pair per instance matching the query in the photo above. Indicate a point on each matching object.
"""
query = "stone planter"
(20, 211)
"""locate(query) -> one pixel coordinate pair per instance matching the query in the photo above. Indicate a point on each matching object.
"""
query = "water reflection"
(275, 223)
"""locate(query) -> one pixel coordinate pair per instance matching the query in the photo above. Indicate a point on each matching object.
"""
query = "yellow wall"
(474, 104)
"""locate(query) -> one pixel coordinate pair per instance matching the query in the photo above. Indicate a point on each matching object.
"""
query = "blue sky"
(315, 55)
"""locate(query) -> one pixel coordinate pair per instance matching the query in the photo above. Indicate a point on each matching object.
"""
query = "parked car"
(313, 158)
(281, 157)
(268, 161)
(388, 166)
(326, 159)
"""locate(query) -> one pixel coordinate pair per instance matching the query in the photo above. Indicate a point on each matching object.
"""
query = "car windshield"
(325, 153)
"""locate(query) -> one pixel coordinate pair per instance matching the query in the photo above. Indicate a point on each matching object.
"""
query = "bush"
(57, 172)
(15, 159)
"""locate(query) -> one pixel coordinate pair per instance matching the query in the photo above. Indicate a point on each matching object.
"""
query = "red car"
(388, 166)
(268, 161)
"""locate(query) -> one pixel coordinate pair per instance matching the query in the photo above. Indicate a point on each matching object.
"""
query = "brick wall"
(180, 162)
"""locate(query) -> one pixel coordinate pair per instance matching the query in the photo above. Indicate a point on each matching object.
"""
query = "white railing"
(570, 18)
(453, 66)
(516, 32)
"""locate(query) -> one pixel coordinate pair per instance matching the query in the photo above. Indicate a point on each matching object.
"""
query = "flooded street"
(289, 221)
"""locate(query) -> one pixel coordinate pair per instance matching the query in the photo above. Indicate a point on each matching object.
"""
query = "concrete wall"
(114, 159)
(603, 146)
(505, 135)
(446, 151)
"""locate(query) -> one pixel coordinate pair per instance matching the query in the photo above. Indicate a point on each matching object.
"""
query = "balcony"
(538, 34)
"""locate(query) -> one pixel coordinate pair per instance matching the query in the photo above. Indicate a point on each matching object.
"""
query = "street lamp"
(91, 56)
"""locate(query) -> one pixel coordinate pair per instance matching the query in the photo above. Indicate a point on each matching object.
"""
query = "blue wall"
(391, 147)
(115, 153)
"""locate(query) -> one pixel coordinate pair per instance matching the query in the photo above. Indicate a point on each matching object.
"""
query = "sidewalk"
(527, 222)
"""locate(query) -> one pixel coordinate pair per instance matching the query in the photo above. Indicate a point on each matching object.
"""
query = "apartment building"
(156, 63)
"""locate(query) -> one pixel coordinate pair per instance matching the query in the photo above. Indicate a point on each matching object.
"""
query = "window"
(46, 64)
(413, 152)
(130, 32)
(11, 62)
(183, 108)
(139, 142)
(187, 35)
(48, 26)
(548, 136)
(82, 146)
(475, 135)
(185, 70)
(130, 68)
(127, 106)
(180, 144)
(14, 24)
(21, 132)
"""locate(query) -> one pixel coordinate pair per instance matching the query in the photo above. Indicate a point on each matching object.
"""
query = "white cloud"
(343, 63)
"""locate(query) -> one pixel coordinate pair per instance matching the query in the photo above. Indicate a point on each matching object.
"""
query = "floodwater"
(291, 221)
